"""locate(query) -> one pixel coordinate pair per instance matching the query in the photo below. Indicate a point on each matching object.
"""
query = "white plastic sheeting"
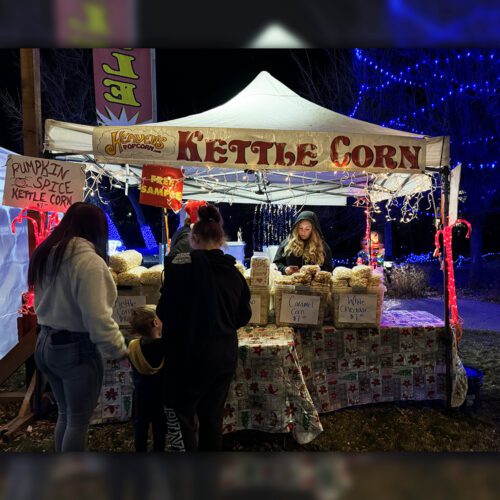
(14, 258)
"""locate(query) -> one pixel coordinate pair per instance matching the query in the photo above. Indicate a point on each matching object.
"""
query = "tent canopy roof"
(267, 104)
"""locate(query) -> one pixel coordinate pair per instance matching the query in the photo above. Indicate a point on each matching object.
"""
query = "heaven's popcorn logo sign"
(123, 140)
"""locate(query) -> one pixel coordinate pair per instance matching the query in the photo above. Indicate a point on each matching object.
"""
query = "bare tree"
(67, 85)
(67, 90)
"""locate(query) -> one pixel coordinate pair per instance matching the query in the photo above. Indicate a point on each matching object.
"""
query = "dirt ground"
(385, 427)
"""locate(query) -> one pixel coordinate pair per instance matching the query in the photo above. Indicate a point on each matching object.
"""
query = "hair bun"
(209, 213)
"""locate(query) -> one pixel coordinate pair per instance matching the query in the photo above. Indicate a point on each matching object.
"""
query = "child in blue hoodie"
(146, 356)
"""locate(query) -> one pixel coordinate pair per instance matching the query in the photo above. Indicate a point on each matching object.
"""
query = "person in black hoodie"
(305, 245)
(204, 300)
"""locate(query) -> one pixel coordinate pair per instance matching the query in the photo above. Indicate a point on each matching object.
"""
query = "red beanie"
(192, 207)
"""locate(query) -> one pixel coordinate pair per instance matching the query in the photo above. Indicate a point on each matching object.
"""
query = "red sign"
(124, 86)
(162, 187)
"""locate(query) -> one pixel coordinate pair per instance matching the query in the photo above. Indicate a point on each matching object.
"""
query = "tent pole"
(445, 194)
(166, 234)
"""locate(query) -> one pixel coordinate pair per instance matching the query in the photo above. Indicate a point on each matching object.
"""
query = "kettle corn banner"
(259, 149)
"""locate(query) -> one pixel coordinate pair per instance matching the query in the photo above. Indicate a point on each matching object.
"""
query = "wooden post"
(32, 116)
(32, 104)
(32, 146)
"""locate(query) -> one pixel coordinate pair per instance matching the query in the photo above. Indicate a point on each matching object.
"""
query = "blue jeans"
(74, 369)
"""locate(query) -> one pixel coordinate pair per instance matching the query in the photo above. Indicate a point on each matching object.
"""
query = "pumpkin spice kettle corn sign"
(43, 183)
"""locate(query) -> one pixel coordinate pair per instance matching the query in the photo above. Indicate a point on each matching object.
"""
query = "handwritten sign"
(255, 305)
(357, 308)
(44, 184)
(123, 307)
(300, 309)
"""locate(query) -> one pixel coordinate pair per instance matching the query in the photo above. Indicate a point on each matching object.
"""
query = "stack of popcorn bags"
(310, 280)
(259, 289)
(358, 280)
(134, 279)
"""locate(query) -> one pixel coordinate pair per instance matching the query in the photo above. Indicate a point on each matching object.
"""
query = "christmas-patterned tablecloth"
(269, 392)
(405, 359)
(115, 400)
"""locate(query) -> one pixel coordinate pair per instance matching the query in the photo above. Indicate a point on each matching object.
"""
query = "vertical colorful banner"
(94, 23)
(125, 86)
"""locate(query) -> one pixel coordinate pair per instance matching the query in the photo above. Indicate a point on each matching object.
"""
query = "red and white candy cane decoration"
(41, 232)
(455, 320)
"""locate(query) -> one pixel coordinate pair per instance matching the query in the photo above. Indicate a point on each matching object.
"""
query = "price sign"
(123, 307)
(357, 308)
(255, 305)
(300, 309)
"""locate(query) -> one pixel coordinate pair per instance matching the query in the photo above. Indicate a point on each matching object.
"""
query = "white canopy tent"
(265, 109)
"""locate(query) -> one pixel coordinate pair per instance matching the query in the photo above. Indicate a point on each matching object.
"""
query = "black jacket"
(282, 261)
(180, 241)
(153, 352)
(204, 300)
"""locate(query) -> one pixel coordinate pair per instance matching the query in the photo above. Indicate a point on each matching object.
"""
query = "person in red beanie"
(180, 239)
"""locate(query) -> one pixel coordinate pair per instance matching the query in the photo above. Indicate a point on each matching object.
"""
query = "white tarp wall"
(14, 258)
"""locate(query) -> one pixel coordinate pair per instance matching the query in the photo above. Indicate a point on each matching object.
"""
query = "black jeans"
(148, 410)
(208, 406)
(200, 391)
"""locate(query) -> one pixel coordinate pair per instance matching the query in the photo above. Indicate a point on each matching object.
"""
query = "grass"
(406, 427)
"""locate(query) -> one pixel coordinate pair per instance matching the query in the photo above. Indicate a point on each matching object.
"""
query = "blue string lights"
(400, 120)
(482, 166)
(426, 258)
(113, 233)
(441, 91)
(486, 87)
(477, 55)
(478, 140)
(148, 237)
(423, 258)
(272, 224)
